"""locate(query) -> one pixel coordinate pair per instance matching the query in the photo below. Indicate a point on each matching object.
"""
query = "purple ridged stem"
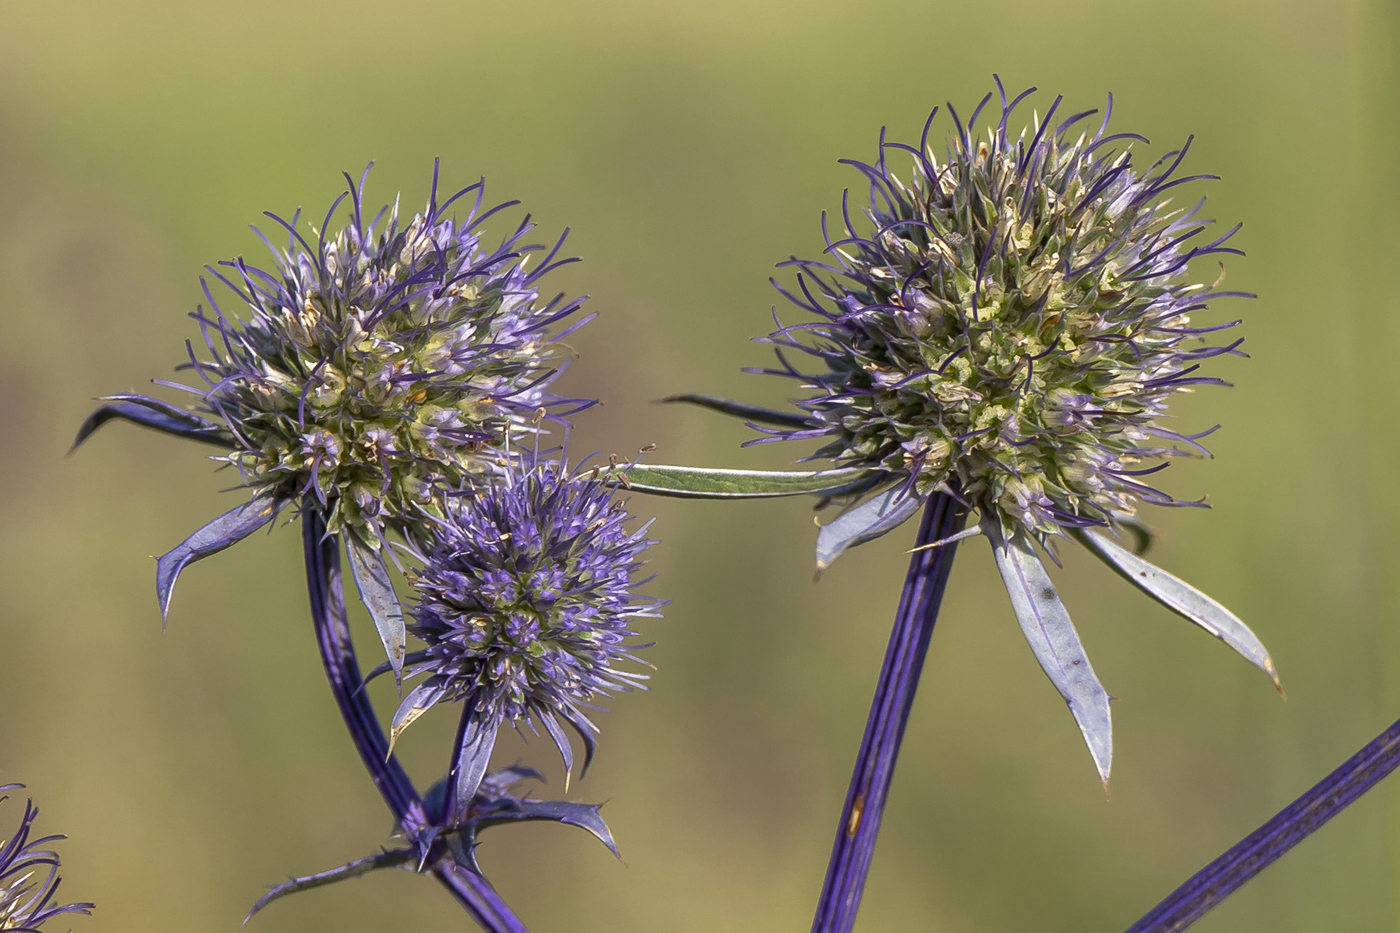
(894, 695)
(1265, 845)
(343, 671)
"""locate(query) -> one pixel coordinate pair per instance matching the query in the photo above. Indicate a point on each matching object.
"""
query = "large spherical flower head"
(383, 360)
(1009, 322)
(526, 601)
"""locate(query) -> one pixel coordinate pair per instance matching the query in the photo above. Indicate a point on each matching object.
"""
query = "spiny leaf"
(1183, 599)
(393, 858)
(226, 530)
(582, 815)
(701, 483)
(740, 410)
(377, 593)
(1051, 635)
(155, 414)
(867, 521)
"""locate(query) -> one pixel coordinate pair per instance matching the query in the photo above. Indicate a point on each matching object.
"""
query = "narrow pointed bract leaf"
(867, 521)
(724, 406)
(226, 530)
(174, 412)
(478, 740)
(393, 858)
(590, 745)
(419, 700)
(377, 593)
(582, 815)
(157, 415)
(561, 741)
(1183, 599)
(1047, 627)
(700, 483)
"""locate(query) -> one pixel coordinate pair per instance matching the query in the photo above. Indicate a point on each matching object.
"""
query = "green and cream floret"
(373, 369)
(1002, 324)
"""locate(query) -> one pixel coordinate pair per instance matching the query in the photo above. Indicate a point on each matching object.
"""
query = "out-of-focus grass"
(690, 147)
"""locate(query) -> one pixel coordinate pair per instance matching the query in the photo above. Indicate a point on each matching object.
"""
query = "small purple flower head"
(526, 601)
(29, 876)
(1009, 320)
(382, 362)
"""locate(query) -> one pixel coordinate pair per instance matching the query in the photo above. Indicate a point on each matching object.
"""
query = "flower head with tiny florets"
(1009, 322)
(526, 600)
(384, 362)
(29, 877)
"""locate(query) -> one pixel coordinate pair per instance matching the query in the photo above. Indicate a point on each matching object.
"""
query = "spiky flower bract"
(526, 600)
(1008, 321)
(383, 362)
(29, 876)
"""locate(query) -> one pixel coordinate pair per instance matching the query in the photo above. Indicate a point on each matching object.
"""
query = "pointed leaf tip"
(155, 414)
(226, 530)
(376, 589)
(1183, 599)
(419, 700)
(583, 815)
(876, 516)
(393, 858)
(756, 413)
(561, 741)
(1052, 637)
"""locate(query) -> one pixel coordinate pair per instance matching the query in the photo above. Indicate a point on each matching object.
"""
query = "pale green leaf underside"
(1052, 637)
(701, 483)
(376, 588)
(876, 516)
(1183, 599)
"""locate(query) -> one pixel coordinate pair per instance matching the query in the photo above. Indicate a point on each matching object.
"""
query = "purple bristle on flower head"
(376, 364)
(1008, 321)
(29, 876)
(526, 601)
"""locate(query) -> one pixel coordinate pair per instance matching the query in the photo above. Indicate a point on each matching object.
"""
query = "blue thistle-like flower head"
(383, 362)
(1008, 322)
(29, 876)
(526, 601)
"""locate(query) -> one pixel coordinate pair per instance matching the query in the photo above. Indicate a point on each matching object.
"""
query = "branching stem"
(343, 671)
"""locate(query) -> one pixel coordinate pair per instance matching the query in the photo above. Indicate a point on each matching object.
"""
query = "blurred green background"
(690, 147)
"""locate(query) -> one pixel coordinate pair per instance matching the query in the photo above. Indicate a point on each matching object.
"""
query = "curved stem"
(343, 672)
(894, 695)
(1265, 845)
